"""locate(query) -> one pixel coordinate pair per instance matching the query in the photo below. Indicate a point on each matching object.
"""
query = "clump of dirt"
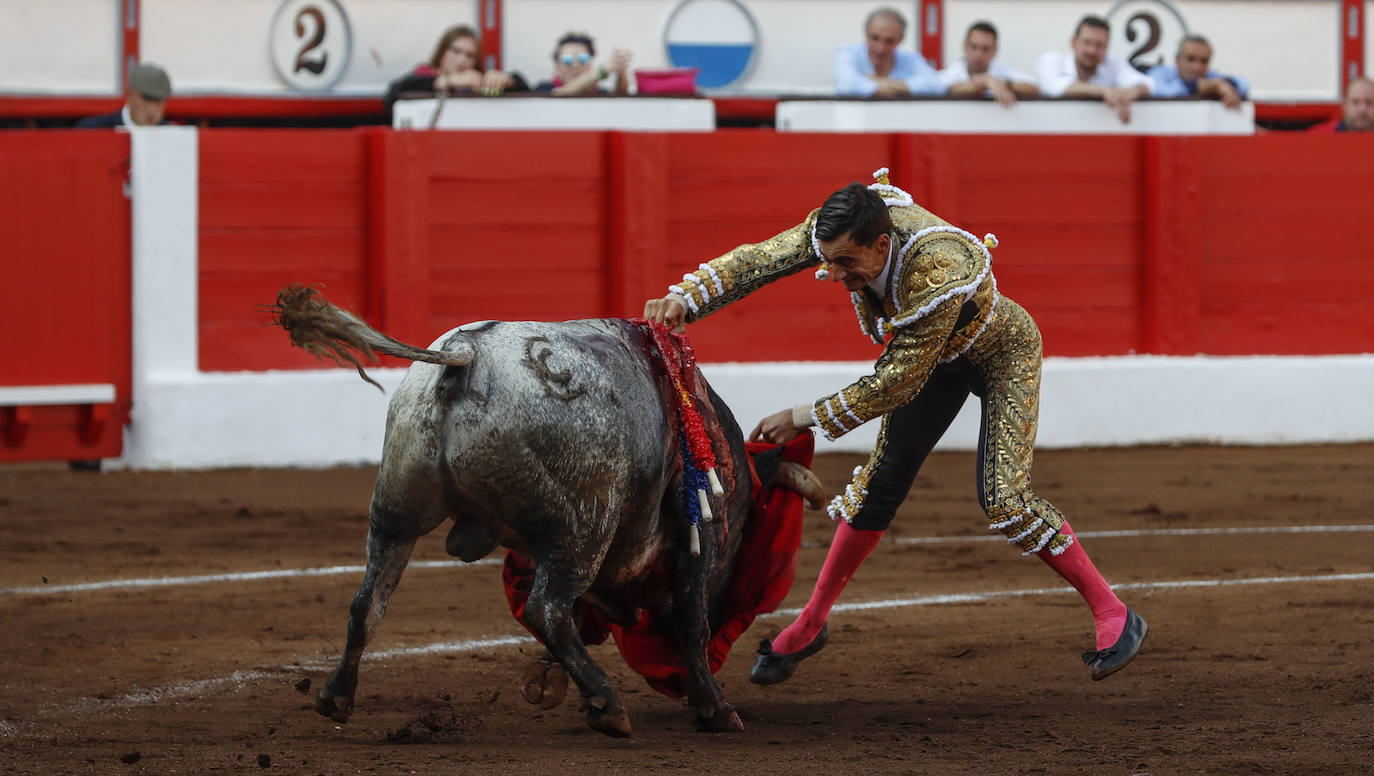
(441, 722)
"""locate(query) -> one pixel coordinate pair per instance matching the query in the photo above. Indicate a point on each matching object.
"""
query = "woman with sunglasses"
(574, 72)
(455, 66)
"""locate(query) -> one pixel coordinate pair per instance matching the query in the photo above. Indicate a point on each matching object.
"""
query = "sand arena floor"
(1254, 567)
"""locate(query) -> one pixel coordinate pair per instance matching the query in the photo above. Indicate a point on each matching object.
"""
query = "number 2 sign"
(310, 43)
(1145, 32)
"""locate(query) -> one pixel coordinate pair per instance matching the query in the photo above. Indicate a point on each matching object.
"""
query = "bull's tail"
(326, 331)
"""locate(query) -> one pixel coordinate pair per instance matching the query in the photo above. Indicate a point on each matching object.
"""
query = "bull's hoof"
(804, 481)
(724, 720)
(615, 724)
(336, 707)
(544, 684)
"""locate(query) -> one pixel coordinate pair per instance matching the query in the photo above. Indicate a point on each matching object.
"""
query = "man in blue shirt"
(1191, 75)
(877, 68)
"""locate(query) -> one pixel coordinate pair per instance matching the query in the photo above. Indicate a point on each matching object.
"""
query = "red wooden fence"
(1116, 244)
(66, 316)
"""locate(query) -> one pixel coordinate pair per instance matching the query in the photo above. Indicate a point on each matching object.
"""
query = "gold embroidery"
(1008, 356)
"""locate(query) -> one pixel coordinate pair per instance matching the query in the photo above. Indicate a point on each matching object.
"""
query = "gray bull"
(553, 440)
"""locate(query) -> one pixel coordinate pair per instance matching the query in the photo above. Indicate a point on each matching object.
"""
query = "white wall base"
(316, 418)
(1117, 400)
(331, 417)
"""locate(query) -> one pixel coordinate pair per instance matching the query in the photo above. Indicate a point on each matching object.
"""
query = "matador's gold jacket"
(937, 268)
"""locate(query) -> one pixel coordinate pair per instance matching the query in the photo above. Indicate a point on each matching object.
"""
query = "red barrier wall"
(1116, 244)
(276, 207)
(66, 315)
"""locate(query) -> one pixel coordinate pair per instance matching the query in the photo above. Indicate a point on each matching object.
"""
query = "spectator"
(980, 73)
(574, 71)
(1087, 71)
(455, 66)
(1357, 111)
(1191, 76)
(877, 68)
(145, 101)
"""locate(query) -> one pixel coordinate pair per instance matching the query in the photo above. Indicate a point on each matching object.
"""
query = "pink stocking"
(1109, 614)
(847, 553)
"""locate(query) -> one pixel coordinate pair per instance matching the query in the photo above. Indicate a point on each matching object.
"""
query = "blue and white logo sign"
(717, 36)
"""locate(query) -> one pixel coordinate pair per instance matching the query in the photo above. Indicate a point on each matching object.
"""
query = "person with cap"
(145, 102)
(924, 290)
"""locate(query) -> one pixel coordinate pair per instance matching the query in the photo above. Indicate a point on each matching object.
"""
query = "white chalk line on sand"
(241, 576)
(238, 678)
(324, 571)
(969, 598)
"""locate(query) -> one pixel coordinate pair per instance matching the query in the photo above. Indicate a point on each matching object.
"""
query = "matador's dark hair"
(855, 210)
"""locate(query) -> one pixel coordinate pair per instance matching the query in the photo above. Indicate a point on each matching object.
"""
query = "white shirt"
(1058, 72)
(957, 73)
(854, 72)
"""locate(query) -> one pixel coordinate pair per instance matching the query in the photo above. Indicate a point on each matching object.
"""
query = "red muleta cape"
(763, 572)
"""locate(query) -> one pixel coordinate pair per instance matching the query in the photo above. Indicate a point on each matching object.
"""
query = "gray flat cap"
(150, 81)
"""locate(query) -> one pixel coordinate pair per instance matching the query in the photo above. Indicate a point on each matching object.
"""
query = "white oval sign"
(310, 43)
(1146, 32)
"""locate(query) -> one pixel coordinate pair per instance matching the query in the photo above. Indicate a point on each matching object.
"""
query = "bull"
(553, 440)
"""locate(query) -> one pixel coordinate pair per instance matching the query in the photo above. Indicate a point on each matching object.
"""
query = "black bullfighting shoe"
(772, 668)
(1106, 662)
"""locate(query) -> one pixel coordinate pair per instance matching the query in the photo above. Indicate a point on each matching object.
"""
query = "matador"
(925, 291)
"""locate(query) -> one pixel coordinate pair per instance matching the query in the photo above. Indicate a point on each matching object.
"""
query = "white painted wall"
(221, 46)
(1287, 48)
(186, 419)
(62, 46)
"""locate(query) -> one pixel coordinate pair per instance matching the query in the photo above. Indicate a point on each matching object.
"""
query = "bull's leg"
(549, 612)
(387, 557)
(692, 627)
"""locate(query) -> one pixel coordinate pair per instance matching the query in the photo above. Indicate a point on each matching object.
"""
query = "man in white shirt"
(878, 68)
(1087, 71)
(979, 73)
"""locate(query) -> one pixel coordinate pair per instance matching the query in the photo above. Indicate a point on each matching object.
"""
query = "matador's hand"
(777, 428)
(667, 311)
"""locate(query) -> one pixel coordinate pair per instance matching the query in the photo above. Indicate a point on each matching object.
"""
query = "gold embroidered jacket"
(936, 269)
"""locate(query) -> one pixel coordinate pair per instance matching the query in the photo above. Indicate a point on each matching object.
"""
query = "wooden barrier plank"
(636, 221)
(67, 271)
(287, 156)
(276, 207)
(1109, 259)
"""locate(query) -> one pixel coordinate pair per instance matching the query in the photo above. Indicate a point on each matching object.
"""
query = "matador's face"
(852, 265)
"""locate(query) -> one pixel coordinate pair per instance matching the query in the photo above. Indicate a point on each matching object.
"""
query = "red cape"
(763, 573)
